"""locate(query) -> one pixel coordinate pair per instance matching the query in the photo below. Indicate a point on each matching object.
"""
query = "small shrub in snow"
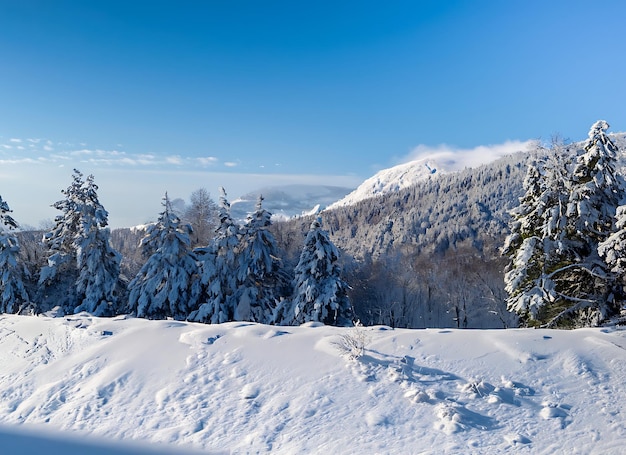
(352, 345)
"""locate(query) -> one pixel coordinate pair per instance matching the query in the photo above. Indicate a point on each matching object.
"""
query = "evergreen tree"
(537, 233)
(167, 285)
(98, 263)
(556, 277)
(259, 278)
(219, 270)
(13, 295)
(57, 278)
(319, 292)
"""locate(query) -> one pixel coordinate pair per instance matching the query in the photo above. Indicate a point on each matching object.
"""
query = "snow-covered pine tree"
(218, 268)
(57, 279)
(319, 292)
(585, 287)
(168, 283)
(13, 295)
(536, 230)
(557, 278)
(259, 277)
(98, 263)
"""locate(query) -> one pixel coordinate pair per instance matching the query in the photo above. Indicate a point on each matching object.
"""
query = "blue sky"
(177, 95)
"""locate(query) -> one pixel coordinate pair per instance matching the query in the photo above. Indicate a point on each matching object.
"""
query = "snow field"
(251, 388)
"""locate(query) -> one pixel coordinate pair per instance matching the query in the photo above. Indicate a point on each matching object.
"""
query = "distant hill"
(391, 180)
(287, 201)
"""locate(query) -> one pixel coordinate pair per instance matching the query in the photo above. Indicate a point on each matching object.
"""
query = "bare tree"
(201, 214)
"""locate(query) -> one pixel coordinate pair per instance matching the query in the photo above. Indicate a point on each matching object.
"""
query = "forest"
(491, 247)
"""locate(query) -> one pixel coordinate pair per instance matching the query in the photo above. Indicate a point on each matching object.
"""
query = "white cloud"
(454, 158)
(16, 140)
(230, 164)
(174, 159)
(207, 160)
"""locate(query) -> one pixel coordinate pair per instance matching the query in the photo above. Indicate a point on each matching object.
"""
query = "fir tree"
(167, 285)
(219, 270)
(556, 277)
(57, 278)
(13, 295)
(319, 292)
(537, 231)
(98, 263)
(259, 278)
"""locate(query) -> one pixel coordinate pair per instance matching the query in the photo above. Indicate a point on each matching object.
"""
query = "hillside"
(249, 388)
(391, 180)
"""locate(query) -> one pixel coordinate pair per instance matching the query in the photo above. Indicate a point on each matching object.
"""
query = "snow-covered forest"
(205, 268)
(431, 255)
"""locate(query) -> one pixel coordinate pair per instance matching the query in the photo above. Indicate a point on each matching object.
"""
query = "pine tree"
(98, 263)
(57, 278)
(219, 270)
(13, 295)
(537, 233)
(556, 277)
(319, 292)
(167, 285)
(259, 278)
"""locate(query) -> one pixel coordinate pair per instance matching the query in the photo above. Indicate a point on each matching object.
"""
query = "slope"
(249, 388)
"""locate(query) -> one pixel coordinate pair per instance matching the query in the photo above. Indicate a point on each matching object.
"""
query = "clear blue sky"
(341, 88)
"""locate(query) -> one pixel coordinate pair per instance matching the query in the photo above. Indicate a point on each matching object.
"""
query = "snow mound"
(252, 388)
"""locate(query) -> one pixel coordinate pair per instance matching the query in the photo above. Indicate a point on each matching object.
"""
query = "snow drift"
(252, 388)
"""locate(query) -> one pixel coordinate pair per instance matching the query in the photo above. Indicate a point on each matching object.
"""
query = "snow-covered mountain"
(391, 180)
(251, 388)
(288, 201)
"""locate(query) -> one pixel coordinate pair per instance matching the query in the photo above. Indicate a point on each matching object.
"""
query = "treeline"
(236, 273)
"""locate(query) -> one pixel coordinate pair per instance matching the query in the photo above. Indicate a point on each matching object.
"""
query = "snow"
(126, 385)
(391, 180)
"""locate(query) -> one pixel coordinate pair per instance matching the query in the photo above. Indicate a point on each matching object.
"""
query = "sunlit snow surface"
(137, 386)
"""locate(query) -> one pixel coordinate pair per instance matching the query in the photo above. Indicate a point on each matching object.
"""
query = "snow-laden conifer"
(537, 233)
(556, 277)
(167, 285)
(258, 269)
(97, 262)
(60, 240)
(218, 266)
(319, 292)
(57, 279)
(13, 295)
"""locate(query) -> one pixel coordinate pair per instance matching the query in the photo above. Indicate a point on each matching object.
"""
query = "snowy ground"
(133, 386)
